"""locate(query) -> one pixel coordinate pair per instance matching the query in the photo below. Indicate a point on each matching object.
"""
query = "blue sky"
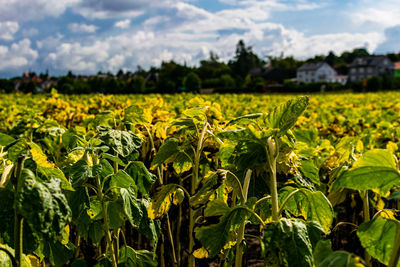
(90, 35)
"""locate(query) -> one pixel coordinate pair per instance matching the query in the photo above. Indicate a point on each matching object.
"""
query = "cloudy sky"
(90, 35)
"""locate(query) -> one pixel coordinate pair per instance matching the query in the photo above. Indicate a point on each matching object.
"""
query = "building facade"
(316, 72)
(364, 67)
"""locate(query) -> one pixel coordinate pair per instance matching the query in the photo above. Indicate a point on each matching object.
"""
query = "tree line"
(212, 73)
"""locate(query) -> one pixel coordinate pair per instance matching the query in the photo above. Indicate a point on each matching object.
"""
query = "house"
(269, 73)
(397, 70)
(364, 67)
(315, 72)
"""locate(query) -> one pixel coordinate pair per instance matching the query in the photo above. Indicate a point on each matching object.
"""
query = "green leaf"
(79, 173)
(115, 213)
(79, 263)
(149, 227)
(124, 143)
(5, 139)
(309, 170)
(95, 209)
(325, 257)
(208, 188)
(214, 237)
(162, 200)
(287, 241)
(377, 237)
(374, 170)
(128, 257)
(57, 253)
(142, 177)
(121, 179)
(113, 159)
(96, 231)
(312, 206)
(246, 119)
(131, 207)
(284, 116)
(167, 150)
(43, 206)
(136, 115)
(17, 149)
(105, 169)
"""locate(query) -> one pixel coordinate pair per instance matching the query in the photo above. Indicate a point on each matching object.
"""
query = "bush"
(192, 82)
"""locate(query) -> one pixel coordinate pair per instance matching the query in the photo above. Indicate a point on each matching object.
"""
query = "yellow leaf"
(392, 147)
(390, 214)
(39, 157)
(34, 261)
(200, 253)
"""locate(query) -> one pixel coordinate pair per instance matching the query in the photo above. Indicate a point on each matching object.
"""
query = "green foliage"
(374, 170)
(287, 243)
(192, 82)
(122, 142)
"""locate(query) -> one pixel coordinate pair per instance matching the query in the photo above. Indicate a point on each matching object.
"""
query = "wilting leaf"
(374, 170)
(131, 206)
(312, 206)
(207, 189)
(162, 200)
(48, 169)
(128, 257)
(142, 177)
(215, 236)
(124, 143)
(43, 206)
(79, 173)
(167, 150)
(288, 240)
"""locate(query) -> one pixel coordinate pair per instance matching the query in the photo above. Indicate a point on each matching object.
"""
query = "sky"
(87, 36)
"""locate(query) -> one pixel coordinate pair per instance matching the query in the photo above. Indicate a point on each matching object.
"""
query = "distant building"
(269, 73)
(397, 69)
(316, 72)
(364, 67)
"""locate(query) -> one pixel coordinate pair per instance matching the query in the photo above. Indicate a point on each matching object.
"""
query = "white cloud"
(384, 13)
(21, 10)
(82, 28)
(391, 42)
(123, 24)
(18, 55)
(8, 29)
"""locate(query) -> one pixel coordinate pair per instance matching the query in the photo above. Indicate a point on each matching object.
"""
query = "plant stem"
(367, 218)
(160, 177)
(18, 219)
(239, 246)
(106, 223)
(394, 259)
(193, 186)
(273, 153)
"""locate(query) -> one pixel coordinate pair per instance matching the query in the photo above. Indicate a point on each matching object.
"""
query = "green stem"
(394, 259)
(18, 219)
(273, 152)
(239, 245)
(367, 218)
(160, 177)
(193, 186)
(107, 233)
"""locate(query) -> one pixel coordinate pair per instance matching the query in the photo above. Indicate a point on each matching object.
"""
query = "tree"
(192, 82)
(137, 85)
(244, 60)
(227, 82)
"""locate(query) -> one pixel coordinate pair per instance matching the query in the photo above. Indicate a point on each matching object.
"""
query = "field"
(200, 180)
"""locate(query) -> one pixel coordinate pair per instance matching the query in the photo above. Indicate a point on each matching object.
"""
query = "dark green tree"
(192, 82)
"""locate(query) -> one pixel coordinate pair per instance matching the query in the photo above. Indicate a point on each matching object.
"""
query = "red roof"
(397, 65)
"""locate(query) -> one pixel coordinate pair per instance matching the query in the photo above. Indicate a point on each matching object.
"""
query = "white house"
(316, 72)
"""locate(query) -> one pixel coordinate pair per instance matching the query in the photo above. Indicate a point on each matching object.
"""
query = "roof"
(369, 61)
(397, 65)
(311, 66)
